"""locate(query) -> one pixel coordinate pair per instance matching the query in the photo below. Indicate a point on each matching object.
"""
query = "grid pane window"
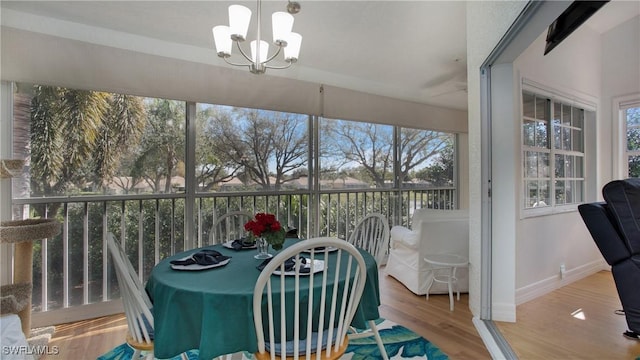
(553, 151)
(537, 193)
(632, 121)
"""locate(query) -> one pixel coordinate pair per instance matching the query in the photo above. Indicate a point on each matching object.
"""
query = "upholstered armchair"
(432, 232)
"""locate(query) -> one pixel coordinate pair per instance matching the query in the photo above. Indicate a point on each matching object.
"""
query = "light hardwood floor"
(545, 328)
(576, 321)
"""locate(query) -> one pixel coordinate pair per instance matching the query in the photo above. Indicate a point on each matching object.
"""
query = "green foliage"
(167, 215)
(441, 171)
(162, 146)
(77, 137)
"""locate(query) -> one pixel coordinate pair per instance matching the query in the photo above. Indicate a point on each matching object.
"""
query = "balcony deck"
(544, 329)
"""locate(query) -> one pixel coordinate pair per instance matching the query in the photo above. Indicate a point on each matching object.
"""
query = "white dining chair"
(371, 234)
(137, 305)
(309, 309)
(229, 226)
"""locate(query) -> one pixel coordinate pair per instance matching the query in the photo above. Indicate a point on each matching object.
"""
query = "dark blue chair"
(615, 227)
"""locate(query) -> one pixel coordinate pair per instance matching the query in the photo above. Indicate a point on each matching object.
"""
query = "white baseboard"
(545, 286)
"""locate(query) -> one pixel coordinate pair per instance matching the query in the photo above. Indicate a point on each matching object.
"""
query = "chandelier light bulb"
(291, 52)
(264, 50)
(222, 40)
(239, 18)
(282, 23)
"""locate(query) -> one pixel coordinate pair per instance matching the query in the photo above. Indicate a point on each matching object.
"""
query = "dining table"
(212, 309)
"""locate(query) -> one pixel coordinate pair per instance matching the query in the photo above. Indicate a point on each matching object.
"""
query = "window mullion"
(552, 153)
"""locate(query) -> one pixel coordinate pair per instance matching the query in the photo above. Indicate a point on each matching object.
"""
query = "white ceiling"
(413, 50)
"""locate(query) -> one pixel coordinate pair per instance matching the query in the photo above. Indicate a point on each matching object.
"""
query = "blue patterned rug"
(400, 343)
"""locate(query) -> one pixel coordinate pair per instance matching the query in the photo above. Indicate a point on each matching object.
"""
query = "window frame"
(553, 98)
(620, 106)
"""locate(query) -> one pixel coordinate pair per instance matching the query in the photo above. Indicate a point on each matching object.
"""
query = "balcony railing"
(73, 269)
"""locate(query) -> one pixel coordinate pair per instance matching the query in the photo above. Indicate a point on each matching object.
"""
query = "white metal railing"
(73, 269)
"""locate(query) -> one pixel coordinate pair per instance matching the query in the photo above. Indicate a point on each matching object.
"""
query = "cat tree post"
(23, 273)
(22, 233)
(16, 297)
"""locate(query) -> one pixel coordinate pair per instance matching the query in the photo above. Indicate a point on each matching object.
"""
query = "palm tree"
(76, 136)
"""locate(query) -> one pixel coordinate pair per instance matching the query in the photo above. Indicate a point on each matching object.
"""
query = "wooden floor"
(546, 328)
(576, 321)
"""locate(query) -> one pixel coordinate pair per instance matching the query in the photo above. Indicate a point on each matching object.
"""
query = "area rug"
(399, 342)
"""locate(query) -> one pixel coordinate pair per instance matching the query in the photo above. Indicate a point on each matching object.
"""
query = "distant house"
(344, 183)
(127, 185)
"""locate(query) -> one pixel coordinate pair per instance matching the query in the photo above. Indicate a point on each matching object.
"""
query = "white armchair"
(432, 232)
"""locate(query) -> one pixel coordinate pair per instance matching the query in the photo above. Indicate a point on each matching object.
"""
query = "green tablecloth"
(212, 310)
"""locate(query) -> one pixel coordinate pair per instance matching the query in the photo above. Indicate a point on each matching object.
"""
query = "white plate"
(195, 267)
(229, 245)
(318, 265)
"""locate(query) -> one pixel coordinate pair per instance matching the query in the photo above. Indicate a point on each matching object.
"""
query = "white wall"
(486, 24)
(620, 78)
(574, 68)
(504, 189)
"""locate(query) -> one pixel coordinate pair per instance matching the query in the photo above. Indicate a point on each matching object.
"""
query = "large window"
(89, 142)
(361, 155)
(84, 142)
(158, 172)
(631, 116)
(240, 149)
(552, 151)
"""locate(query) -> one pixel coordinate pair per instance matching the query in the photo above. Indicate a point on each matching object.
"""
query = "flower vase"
(263, 249)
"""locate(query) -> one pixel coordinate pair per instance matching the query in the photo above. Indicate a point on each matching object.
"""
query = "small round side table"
(443, 268)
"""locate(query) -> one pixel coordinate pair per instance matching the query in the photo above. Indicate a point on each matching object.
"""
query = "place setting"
(201, 260)
(240, 244)
(305, 266)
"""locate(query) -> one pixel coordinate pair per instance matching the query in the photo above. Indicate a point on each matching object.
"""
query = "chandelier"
(236, 32)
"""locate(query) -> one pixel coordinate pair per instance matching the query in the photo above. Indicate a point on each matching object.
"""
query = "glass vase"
(263, 249)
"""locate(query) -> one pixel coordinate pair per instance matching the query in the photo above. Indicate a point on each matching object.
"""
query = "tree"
(162, 146)
(370, 146)
(75, 135)
(213, 165)
(265, 147)
(441, 171)
(418, 147)
(367, 145)
(126, 118)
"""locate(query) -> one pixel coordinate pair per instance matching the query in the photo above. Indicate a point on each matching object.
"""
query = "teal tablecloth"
(212, 310)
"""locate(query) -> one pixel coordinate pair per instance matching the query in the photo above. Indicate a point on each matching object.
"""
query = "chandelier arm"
(243, 53)
(272, 56)
(235, 64)
(289, 63)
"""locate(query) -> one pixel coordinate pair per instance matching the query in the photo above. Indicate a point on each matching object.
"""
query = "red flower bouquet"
(268, 227)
